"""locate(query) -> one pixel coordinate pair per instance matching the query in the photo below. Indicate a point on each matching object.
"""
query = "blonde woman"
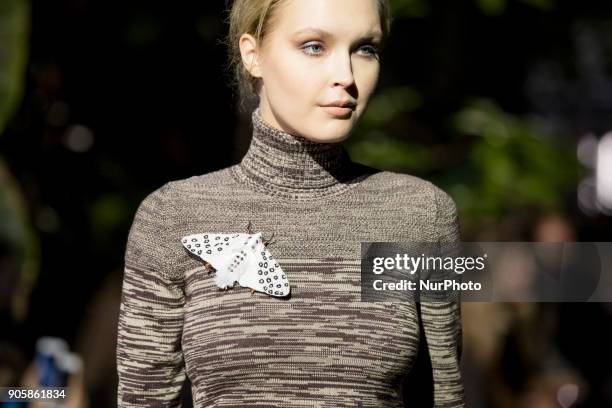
(312, 66)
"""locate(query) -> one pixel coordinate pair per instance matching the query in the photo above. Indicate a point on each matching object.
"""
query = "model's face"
(319, 52)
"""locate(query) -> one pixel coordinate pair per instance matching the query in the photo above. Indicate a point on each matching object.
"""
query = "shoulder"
(417, 197)
(212, 180)
(167, 195)
(403, 181)
(411, 189)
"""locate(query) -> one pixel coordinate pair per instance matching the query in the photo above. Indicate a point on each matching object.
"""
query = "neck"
(292, 166)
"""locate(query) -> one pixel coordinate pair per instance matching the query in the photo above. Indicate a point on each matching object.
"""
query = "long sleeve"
(150, 362)
(442, 320)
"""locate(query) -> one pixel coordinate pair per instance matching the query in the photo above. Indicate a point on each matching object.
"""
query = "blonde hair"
(255, 17)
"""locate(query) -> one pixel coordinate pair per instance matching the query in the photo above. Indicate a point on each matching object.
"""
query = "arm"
(150, 362)
(442, 320)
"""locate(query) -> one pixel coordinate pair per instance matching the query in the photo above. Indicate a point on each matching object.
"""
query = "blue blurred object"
(68, 364)
(48, 351)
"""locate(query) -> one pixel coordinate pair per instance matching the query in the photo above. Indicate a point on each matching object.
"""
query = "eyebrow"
(372, 35)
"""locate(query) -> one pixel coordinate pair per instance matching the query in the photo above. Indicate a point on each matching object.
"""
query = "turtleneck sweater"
(321, 346)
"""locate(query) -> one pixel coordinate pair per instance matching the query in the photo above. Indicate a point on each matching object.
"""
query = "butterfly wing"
(240, 257)
(219, 250)
(263, 273)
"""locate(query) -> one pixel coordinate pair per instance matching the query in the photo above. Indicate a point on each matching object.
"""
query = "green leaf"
(14, 33)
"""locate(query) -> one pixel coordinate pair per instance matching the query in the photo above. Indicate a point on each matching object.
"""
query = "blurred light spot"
(47, 220)
(604, 172)
(57, 115)
(567, 395)
(587, 150)
(69, 362)
(78, 138)
(587, 196)
(471, 120)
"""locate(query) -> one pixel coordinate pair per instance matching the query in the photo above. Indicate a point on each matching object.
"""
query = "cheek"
(290, 77)
(366, 77)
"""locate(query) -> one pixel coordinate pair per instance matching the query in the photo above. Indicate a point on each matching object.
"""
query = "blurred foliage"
(495, 163)
(21, 259)
(513, 164)
(396, 100)
(370, 145)
(14, 35)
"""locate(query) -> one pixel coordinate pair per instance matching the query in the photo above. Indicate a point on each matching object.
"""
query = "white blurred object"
(587, 196)
(78, 138)
(603, 173)
(567, 395)
(586, 152)
(70, 363)
(51, 346)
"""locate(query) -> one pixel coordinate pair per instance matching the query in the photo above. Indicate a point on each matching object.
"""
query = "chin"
(333, 136)
(336, 131)
(334, 139)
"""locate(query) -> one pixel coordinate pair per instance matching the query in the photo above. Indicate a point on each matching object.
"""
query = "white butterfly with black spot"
(240, 257)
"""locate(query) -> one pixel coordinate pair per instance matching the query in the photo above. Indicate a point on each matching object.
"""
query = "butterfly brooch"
(241, 257)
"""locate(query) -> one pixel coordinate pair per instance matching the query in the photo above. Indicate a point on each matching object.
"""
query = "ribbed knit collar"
(282, 164)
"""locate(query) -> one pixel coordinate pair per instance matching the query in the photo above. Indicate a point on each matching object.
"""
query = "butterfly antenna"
(269, 241)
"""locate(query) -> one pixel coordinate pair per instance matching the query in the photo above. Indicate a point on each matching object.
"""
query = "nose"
(342, 70)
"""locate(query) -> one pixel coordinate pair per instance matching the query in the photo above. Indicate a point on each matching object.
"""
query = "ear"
(249, 53)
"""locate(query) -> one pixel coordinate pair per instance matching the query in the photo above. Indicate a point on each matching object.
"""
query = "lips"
(338, 110)
(341, 104)
(340, 107)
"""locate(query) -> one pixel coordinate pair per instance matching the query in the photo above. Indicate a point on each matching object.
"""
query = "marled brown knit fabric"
(319, 347)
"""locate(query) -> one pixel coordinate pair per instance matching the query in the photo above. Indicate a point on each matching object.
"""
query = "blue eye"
(310, 46)
(371, 50)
